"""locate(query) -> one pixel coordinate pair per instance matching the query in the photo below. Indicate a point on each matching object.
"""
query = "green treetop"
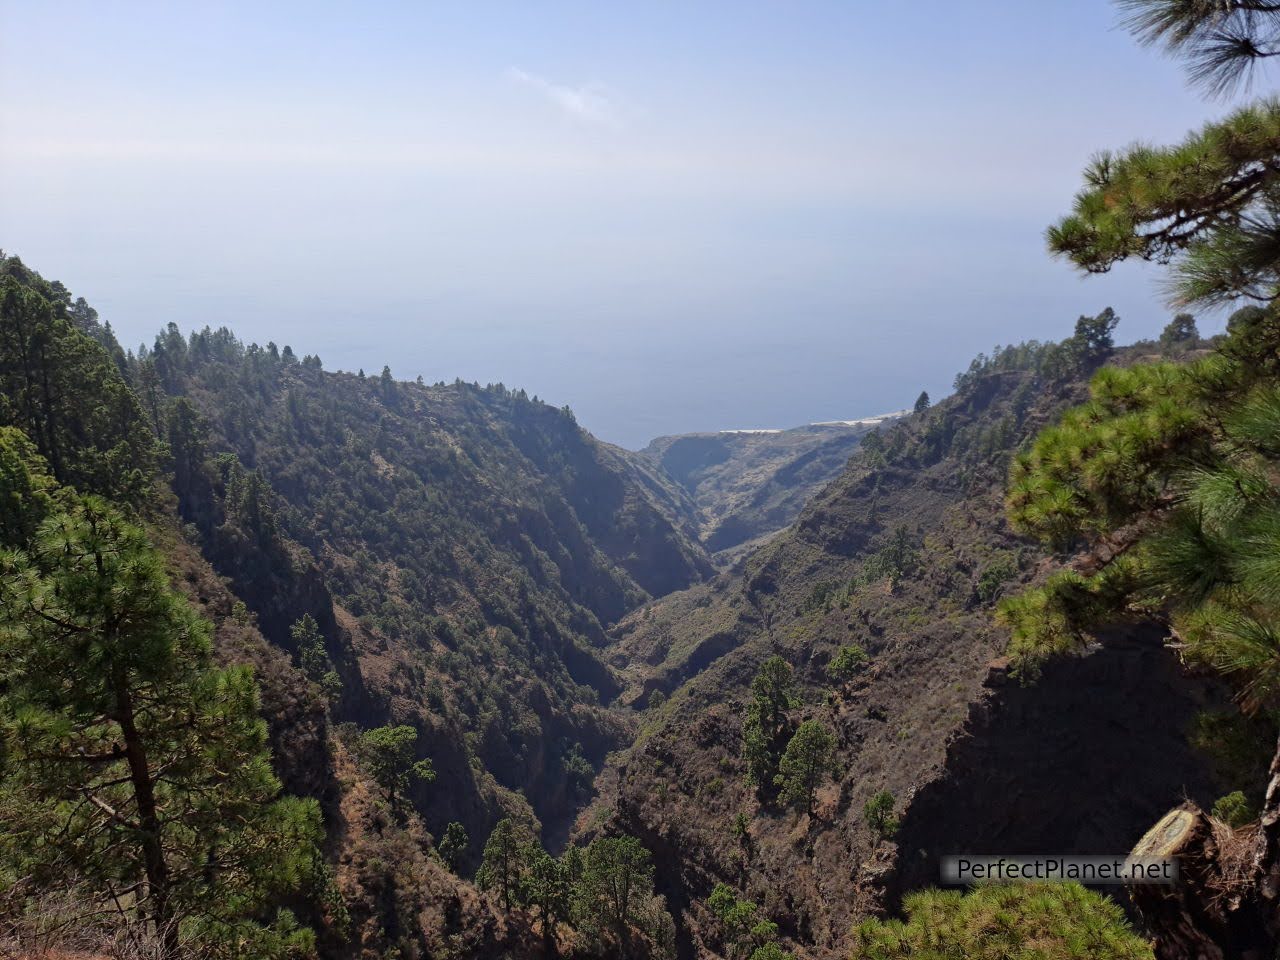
(453, 845)
(848, 660)
(314, 658)
(879, 816)
(26, 494)
(1207, 206)
(616, 883)
(745, 934)
(1055, 921)
(1180, 333)
(64, 390)
(548, 890)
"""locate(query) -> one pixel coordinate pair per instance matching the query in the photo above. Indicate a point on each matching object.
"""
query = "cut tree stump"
(1226, 903)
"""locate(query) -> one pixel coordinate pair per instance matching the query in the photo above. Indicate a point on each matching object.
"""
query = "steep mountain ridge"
(472, 544)
(903, 556)
(456, 552)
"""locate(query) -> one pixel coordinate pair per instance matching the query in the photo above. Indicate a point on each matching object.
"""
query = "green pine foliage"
(548, 892)
(1206, 206)
(1222, 43)
(847, 662)
(134, 769)
(806, 764)
(504, 865)
(895, 561)
(1234, 809)
(603, 891)
(389, 755)
(453, 846)
(879, 816)
(1180, 334)
(1168, 473)
(744, 934)
(615, 891)
(314, 658)
(1022, 922)
(27, 492)
(767, 727)
(63, 387)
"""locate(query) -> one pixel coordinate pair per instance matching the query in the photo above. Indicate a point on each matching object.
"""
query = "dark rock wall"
(1082, 762)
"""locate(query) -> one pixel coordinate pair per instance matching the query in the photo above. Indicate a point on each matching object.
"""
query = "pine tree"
(1167, 476)
(617, 881)
(1055, 921)
(847, 661)
(548, 891)
(133, 766)
(26, 494)
(743, 932)
(388, 389)
(806, 763)
(453, 845)
(63, 389)
(314, 658)
(1179, 333)
(767, 727)
(922, 402)
(187, 434)
(737, 918)
(879, 816)
(388, 752)
(1093, 340)
(504, 864)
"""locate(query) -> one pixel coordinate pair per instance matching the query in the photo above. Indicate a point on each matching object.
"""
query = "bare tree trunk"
(1226, 903)
(153, 859)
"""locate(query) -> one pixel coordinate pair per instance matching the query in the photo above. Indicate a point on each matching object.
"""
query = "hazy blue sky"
(670, 216)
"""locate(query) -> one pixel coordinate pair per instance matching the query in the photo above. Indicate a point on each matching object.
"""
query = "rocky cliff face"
(1083, 761)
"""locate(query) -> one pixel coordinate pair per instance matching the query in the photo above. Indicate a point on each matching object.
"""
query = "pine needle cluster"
(1168, 473)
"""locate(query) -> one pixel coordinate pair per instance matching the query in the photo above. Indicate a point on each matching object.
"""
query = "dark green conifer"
(133, 767)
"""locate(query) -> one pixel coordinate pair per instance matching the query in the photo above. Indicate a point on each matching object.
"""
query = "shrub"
(846, 662)
(878, 813)
(1234, 809)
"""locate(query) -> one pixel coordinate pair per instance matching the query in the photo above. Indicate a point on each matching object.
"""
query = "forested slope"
(475, 543)
(421, 578)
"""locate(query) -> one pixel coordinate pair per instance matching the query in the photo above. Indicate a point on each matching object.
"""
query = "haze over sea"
(669, 219)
